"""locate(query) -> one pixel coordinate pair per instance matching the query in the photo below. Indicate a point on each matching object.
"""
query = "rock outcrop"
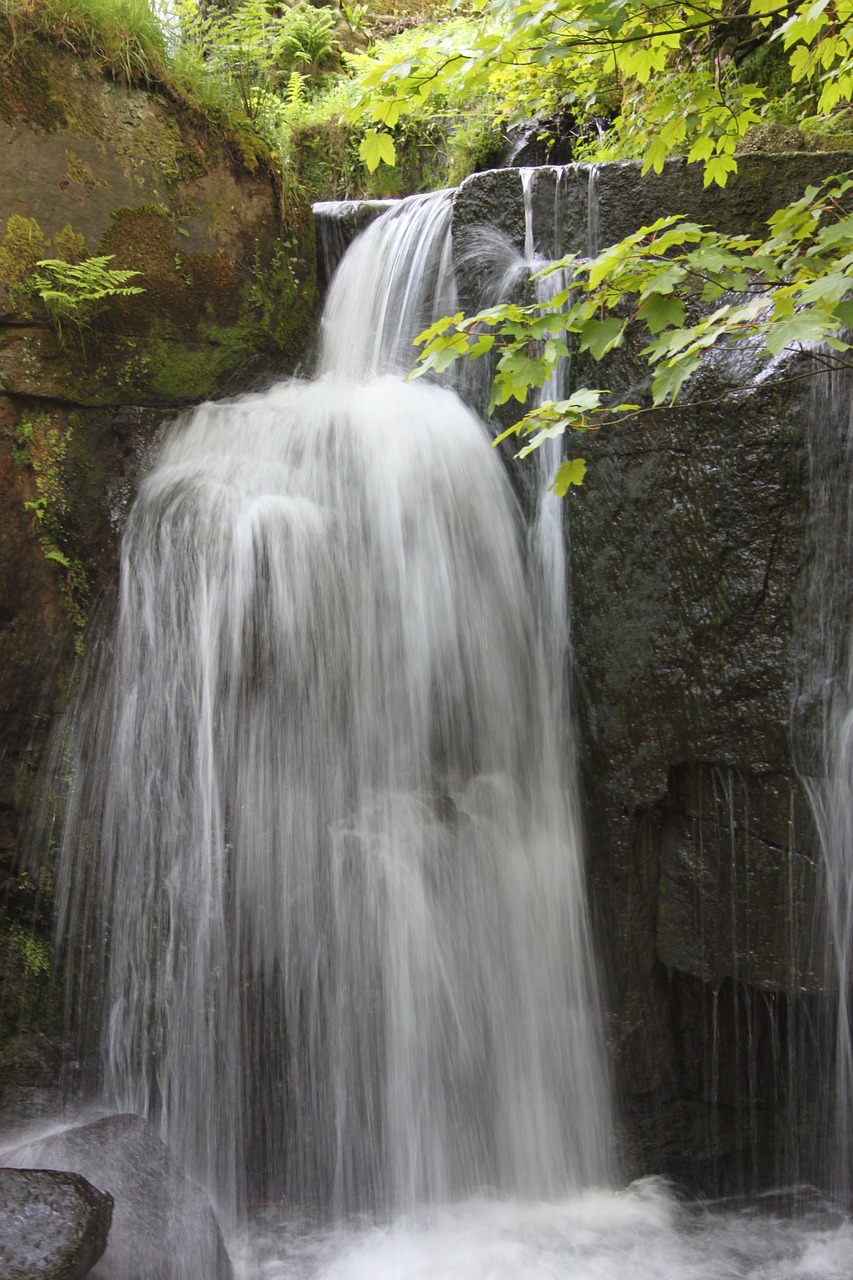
(690, 564)
(91, 169)
(53, 1226)
(163, 1225)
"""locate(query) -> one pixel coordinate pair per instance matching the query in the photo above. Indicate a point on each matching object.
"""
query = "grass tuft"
(125, 35)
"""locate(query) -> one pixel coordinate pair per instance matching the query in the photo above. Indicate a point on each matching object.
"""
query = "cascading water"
(321, 886)
(829, 775)
(323, 810)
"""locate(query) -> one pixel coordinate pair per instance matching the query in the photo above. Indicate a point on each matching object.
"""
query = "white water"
(829, 777)
(637, 1234)
(548, 532)
(324, 818)
(335, 847)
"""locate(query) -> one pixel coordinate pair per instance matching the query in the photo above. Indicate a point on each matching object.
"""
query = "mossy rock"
(90, 167)
(781, 139)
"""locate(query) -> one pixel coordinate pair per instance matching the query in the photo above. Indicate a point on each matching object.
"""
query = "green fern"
(70, 290)
(295, 89)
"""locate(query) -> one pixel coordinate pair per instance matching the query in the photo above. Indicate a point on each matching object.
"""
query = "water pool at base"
(641, 1233)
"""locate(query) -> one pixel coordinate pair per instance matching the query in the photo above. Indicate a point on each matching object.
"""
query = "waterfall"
(321, 885)
(548, 527)
(321, 891)
(829, 774)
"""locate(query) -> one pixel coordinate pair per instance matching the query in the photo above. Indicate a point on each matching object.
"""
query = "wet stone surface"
(53, 1225)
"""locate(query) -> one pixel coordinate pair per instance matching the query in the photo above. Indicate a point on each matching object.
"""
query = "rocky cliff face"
(92, 169)
(690, 569)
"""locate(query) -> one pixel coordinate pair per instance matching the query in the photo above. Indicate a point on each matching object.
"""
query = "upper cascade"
(398, 277)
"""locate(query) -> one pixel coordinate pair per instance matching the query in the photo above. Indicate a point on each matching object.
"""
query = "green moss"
(250, 146)
(204, 324)
(27, 992)
(271, 332)
(28, 89)
(780, 139)
(40, 449)
(69, 245)
(21, 248)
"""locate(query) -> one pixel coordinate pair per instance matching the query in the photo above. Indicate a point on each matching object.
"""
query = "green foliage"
(125, 35)
(387, 90)
(668, 72)
(695, 112)
(684, 291)
(41, 447)
(356, 16)
(377, 148)
(242, 58)
(71, 291)
(671, 78)
(308, 37)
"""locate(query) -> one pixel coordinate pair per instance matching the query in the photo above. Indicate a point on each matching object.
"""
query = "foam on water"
(641, 1233)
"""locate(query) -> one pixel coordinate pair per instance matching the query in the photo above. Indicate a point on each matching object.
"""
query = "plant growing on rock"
(71, 291)
(40, 451)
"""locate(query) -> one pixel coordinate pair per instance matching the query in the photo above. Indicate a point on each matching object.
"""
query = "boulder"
(164, 1227)
(53, 1226)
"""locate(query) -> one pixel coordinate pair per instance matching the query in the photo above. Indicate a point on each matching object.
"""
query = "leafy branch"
(684, 290)
(667, 72)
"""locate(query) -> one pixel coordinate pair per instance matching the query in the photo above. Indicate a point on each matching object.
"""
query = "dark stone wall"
(688, 548)
(690, 585)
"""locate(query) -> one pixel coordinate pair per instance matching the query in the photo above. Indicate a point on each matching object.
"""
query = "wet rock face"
(688, 556)
(164, 1227)
(618, 200)
(53, 1226)
(689, 563)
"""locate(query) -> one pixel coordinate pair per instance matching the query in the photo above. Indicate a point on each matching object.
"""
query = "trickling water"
(593, 227)
(322, 804)
(830, 781)
(548, 527)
